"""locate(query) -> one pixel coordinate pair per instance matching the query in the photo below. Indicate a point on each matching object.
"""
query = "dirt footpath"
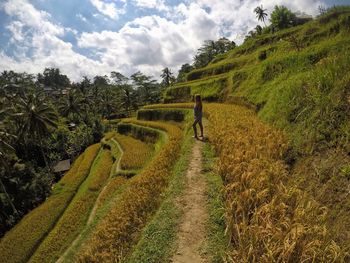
(192, 233)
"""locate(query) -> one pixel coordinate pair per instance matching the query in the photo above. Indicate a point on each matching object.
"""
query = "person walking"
(198, 114)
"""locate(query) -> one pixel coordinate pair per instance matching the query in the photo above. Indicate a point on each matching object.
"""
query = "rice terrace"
(108, 156)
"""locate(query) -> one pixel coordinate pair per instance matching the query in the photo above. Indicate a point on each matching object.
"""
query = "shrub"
(139, 132)
(165, 115)
(210, 71)
(262, 55)
(182, 93)
(21, 241)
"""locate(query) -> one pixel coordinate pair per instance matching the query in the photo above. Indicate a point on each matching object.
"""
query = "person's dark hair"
(198, 100)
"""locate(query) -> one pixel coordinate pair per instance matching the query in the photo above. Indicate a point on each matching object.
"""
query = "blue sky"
(95, 37)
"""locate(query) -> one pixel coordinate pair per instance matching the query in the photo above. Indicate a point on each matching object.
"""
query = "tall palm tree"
(5, 150)
(260, 13)
(36, 117)
(71, 104)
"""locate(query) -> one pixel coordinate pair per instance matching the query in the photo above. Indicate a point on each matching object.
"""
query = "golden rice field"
(136, 153)
(267, 220)
(75, 216)
(20, 242)
(114, 236)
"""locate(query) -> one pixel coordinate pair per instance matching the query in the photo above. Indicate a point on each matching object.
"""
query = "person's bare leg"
(201, 127)
(195, 129)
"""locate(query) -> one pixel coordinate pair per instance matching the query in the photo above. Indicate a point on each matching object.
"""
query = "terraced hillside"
(268, 183)
(122, 177)
(297, 80)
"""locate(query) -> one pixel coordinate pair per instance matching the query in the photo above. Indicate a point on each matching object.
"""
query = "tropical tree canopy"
(282, 17)
(210, 49)
(185, 68)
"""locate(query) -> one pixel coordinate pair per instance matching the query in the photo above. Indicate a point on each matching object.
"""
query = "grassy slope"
(303, 92)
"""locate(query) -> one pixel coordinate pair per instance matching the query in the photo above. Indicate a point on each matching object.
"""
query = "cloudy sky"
(95, 37)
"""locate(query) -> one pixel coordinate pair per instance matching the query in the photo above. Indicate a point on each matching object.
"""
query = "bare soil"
(192, 232)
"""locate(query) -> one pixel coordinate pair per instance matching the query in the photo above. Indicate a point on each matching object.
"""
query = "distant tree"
(322, 9)
(260, 13)
(86, 97)
(148, 89)
(100, 86)
(223, 45)
(258, 30)
(36, 117)
(52, 77)
(282, 17)
(71, 104)
(98, 83)
(5, 150)
(181, 76)
(128, 96)
(23, 79)
(210, 49)
(167, 77)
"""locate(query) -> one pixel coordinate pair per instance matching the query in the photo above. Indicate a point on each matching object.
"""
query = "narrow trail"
(94, 209)
(192, 232)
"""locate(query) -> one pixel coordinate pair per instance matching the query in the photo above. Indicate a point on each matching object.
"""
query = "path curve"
(192, 232)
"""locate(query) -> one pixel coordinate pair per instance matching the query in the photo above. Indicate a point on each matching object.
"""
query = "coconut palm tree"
(72, 104)
(260, 13)
(5, 150)
(36, 116)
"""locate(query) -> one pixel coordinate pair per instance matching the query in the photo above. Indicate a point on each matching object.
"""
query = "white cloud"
(147, 43)
(108, 9)
(81, 17)
(151, 4)
(235, 18)
(33, 31)
(33, 18)
(151, 43)
(16, 28)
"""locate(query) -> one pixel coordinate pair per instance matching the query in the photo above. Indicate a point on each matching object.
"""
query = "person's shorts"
(198, 117)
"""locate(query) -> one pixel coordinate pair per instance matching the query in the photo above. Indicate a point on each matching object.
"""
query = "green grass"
(146, 134)
(212, 89)
(217, 243)
(163, 114)
(157, 243)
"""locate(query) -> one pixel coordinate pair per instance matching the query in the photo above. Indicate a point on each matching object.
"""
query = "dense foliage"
(47, 118)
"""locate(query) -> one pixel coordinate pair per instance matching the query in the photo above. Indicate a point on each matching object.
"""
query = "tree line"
(47, 118)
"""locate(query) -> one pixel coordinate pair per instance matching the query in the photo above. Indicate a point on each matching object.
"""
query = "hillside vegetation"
(298, 80)
(275, 164)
